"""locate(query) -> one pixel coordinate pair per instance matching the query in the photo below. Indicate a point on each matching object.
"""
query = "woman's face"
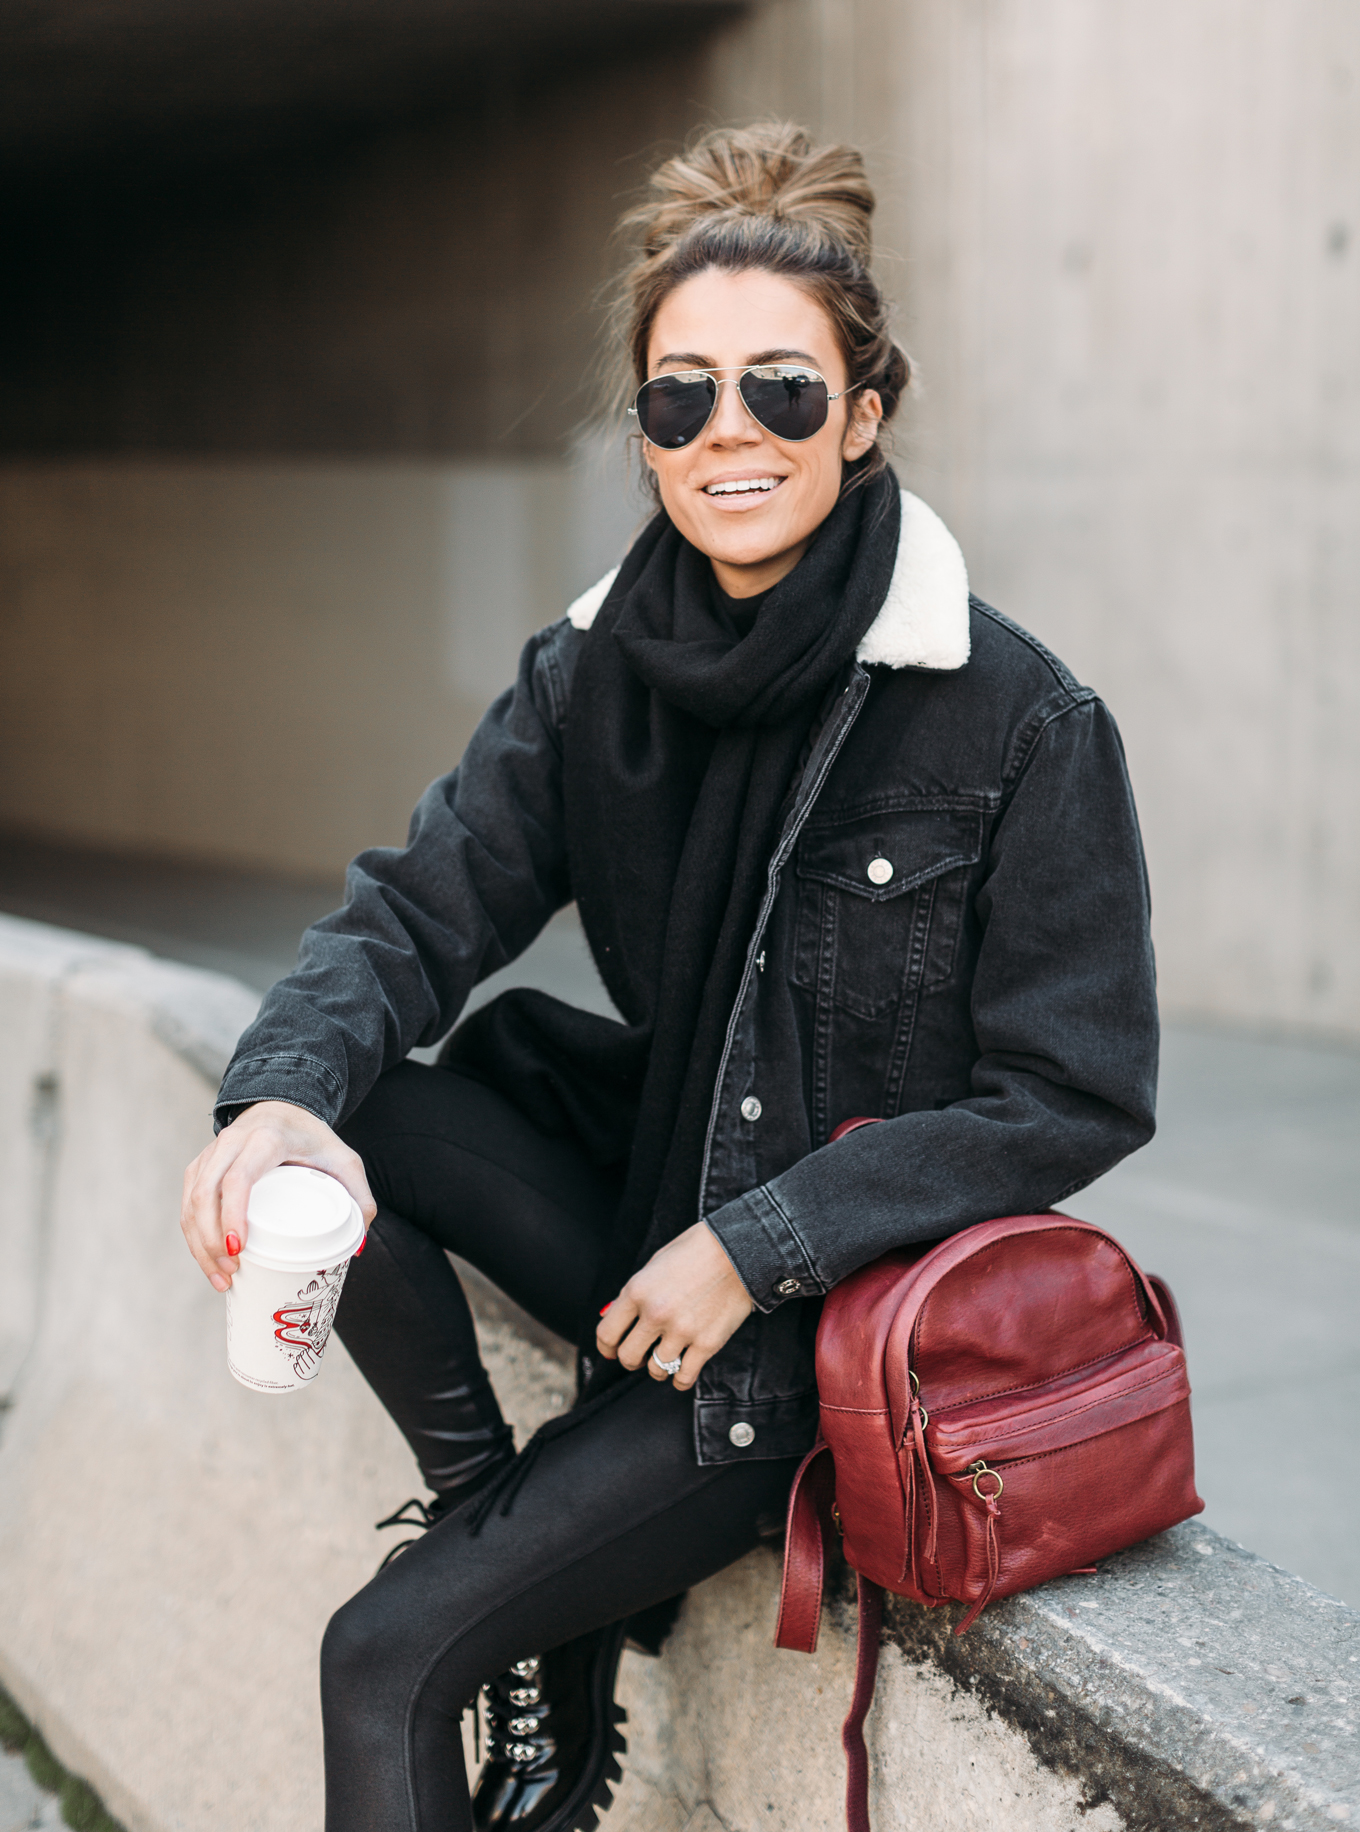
(726, 321)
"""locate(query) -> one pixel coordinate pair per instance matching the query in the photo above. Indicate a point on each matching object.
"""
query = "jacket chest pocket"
(880, 904)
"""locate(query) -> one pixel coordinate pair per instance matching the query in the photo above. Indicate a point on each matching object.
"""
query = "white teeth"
(741, 486)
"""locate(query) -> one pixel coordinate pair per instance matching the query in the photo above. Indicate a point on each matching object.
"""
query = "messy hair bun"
(766, 197)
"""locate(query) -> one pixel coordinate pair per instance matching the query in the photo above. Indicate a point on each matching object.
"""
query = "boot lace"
(425, 1516)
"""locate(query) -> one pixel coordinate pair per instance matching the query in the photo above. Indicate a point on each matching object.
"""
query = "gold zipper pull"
(977, 1471)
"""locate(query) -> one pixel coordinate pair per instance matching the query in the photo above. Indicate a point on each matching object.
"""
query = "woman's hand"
(685, 1302)
(218, 1183)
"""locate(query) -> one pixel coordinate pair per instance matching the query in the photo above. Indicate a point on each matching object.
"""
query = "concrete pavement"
(1246, 1202)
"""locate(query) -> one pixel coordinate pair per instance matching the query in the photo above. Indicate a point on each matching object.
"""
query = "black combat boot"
(553, 1742)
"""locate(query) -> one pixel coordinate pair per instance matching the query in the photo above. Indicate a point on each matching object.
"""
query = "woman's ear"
(862, 423)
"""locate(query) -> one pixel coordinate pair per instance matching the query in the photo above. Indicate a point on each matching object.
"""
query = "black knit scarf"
(681, 743)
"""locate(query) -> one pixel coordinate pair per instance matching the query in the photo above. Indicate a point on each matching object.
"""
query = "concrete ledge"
(1189, 1684)
(171, 1545)
(1079, 1705)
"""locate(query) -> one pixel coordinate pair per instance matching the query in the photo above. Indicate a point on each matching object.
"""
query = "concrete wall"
(1125, 240)
(1135, 283)
(1126, 243)
(266, 662)
(171, 1545)
(168, 1554)
(293, 478)
(419, 288)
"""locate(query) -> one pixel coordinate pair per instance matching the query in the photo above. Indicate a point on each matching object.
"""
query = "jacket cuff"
(302, 1080)
(766, 1249)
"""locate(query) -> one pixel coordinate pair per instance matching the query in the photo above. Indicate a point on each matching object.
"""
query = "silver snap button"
(750, 1108)
(880, 870)
(742, 1435)
(788, 1288)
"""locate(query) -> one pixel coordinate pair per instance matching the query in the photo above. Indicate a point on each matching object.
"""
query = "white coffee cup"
(304, 1230)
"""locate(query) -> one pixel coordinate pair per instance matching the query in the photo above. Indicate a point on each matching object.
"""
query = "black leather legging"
(615, 1515)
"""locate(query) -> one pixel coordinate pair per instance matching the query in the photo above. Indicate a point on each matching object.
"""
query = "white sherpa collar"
(924, 619)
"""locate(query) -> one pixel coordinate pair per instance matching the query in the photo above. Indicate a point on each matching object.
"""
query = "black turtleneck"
(739, 613)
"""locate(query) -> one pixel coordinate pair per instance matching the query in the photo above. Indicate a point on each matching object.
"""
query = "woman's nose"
(731, 424)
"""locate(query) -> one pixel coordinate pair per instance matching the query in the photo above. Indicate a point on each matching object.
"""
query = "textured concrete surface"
(1190, 1683)
(391, 600)
(168, 1540)
(732, 1726)
(1108, 216)
(728, 1725)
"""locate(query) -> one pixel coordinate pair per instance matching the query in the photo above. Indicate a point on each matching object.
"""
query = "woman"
(843, 843)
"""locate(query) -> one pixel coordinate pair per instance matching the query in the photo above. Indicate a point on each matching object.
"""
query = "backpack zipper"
(980, 1469)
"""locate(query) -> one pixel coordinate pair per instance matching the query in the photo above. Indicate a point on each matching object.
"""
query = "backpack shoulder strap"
(852, 1733)
(1172, 1316)
(805, 1551)
(800, 1607)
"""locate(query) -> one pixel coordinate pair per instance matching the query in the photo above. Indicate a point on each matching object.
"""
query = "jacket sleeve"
(1064, 1010)
(483, 869)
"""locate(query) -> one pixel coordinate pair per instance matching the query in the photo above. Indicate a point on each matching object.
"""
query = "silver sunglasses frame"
(718, 377)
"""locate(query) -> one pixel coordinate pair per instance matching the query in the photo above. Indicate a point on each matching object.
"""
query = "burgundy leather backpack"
(1007, 1406)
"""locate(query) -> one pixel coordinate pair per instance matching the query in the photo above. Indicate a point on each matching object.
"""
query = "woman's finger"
(205, 1200)
(348, 1168)
(616, 1321)
(211, 1207)
(217, 1185)
(691, 1365)
(637, 1345)
(258, 1151)
(670, 1348)
(197, 1218)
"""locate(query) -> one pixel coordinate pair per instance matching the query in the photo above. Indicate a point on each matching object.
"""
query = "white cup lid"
(302, 1217)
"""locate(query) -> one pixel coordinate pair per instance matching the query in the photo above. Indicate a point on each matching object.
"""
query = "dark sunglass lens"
(673, 410)
(789, 402)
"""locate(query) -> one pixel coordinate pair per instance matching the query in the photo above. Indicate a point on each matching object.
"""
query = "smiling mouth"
(744, 486)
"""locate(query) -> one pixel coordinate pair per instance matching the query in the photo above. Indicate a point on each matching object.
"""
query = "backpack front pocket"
(1024, 1481)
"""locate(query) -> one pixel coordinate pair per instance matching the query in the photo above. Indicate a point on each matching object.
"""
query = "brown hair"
(765, 197)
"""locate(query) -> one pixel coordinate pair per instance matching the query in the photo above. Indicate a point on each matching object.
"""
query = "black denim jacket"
(954, 938)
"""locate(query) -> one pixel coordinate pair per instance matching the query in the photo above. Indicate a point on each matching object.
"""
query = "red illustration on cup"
(302, 1328)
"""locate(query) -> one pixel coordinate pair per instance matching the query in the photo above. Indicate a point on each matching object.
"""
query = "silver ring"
(667, 1367)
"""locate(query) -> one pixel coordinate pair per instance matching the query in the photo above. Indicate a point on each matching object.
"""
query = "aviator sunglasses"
(787, 399)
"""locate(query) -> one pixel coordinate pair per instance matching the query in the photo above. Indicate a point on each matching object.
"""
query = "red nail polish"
(233, 1244)
(362, 1244)
(606, 1307)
